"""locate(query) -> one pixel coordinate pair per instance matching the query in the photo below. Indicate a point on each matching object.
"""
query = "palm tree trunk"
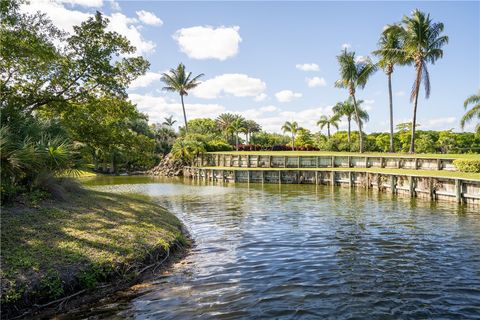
(359, 123)
(414, 120)
(184, 114)
(236, 141)
(293, 142)
(349, 120)
(392, 146)
(328, 130)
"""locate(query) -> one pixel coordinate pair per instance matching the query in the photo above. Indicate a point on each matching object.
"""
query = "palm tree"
(293, 128)
(187, 150)
(390, 40)
(422, 44)
(251, 127)
(328, 121)
(177, 80)
(224, 121)
(472, 113)
(347, 109)
(237, 126)
(354, 74)
(169, 122)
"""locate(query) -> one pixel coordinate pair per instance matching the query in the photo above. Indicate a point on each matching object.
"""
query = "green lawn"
(53, 246)
(330, 153)
(420, 173)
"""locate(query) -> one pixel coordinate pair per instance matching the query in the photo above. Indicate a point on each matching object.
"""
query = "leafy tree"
(236, 127)
(472, 113)
(177, 80)
(187, 149)
(251, 127)
(292, 128)
(354, 74)
(328, 121)
(266, 139)
(390, 41)
(422, 44)
(304, 138)
(224, 122)
(204, 126)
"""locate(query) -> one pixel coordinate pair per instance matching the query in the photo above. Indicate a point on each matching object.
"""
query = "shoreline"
(72, 241)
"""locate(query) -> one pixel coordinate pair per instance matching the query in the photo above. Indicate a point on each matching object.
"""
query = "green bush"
(218, 145)
(467, 165)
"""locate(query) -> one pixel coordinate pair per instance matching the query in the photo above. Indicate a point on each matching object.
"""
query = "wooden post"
(316, 175)
(367, 180)
(298, 161)
(239, 161)
(234, 175)
(218, 160)
(439, 164)
(269, 161)
(350, 179)
(379, 182)
(332, 178)
(382, 162)
(211, 175)
(411, 186)
(458, 190)
(279, 177)
(399, 163)
(393, 184)
(285, 161)
(248, 176)
(349, 162)
(248, 160)
(430, 188)
(416, 163)
(263, 176)
(366, 162)
(316, 162)
(333, 161)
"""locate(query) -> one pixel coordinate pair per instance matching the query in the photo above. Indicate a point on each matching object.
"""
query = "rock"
(167, 167)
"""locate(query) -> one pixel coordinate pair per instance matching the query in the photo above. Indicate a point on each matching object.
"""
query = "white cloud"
(209, 43)
(114, 5)
(268, 109)
(287, 95)
(145, 80)
(361, 59)
(438, 123)
(316, 82)
(65, 19)
(149, 18)
(261, 97)
(346, 46)
(308, 67)
(84, 3)
(158, 108)
(400, 93)
(235, 84)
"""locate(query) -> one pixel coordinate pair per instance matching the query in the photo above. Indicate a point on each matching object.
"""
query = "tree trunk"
(184, 114)
(293, 142)
(414, 120)
(392, 146)
(349, 120)
(359, 123)
(236, 141)
(328, 130)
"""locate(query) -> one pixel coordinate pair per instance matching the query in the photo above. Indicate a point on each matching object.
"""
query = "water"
(302, 251)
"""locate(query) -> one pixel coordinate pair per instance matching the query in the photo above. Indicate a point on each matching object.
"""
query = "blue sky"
(254, 56)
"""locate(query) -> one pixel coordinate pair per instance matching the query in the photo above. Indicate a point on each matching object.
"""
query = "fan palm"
(251, 127)
(177, 80)
(169, 122)
(237, 126)
(354, 74)
(293, 129)
(472, 113)
(347, 109)
(390, 41)
(422, 44)
(224, 122)
(328, 121)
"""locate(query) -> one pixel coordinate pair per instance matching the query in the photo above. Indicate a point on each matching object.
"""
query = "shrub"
(218, 145)
(467, 165)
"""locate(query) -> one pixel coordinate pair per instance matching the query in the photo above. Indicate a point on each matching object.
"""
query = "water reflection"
(303, 251)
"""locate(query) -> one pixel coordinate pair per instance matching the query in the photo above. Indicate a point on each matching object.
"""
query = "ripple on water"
(301, 251)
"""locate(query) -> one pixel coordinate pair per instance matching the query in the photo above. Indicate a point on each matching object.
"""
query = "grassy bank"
(57, 248)
(372, 154)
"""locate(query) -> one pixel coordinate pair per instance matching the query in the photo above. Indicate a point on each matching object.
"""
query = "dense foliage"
(467, 165)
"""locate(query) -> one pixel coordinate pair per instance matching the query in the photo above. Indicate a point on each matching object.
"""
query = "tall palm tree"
(251, 127)
(237, 126)
(169, 122)
(177, 80)
(293, 129)
(422, 44)
(347, 109)
(328, 121)
(472, 113)
(390, 40)
(354, 74)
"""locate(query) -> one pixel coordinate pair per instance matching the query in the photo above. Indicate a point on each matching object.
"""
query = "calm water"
(297, 251)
